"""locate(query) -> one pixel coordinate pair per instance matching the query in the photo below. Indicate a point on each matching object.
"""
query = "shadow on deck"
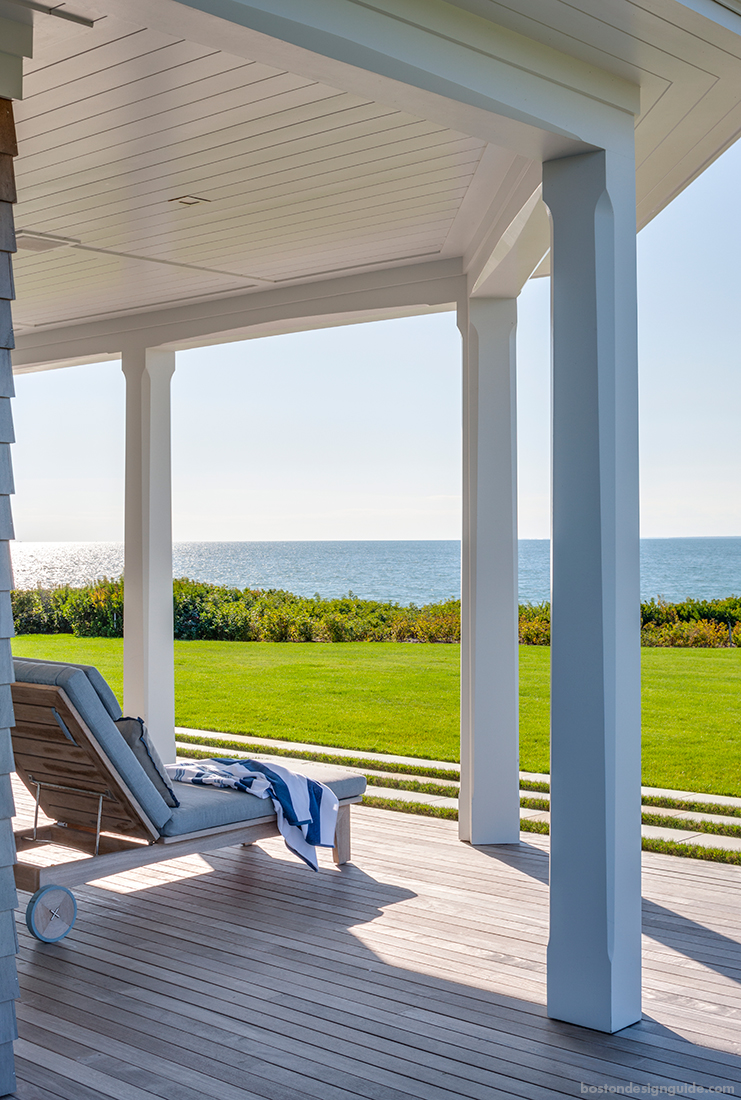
(417, 971)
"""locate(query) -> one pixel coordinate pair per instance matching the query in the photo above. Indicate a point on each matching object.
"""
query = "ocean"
(404, 572)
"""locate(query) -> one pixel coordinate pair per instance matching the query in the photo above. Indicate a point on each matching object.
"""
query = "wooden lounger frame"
(92, 808)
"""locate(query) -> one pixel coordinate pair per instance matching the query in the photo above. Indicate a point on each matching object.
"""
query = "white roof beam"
(374, 295)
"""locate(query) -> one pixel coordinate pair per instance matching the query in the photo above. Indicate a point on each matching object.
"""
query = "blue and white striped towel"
(306, 810)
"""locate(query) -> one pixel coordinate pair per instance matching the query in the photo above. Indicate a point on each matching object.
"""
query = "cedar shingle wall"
(8, 899)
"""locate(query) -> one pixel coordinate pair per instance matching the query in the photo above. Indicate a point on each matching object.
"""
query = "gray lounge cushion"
(85, 698)
(136, 736)
(345, 782)
(211, 807)
(106, 696)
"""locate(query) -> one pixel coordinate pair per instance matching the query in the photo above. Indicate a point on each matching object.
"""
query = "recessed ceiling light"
(188, 200)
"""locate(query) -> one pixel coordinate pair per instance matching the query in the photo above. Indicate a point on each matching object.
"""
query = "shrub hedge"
(214, 612)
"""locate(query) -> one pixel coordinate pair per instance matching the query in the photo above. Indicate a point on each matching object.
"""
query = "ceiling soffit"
(159, 168)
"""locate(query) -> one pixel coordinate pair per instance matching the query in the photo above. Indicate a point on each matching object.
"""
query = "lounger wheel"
(51, 913)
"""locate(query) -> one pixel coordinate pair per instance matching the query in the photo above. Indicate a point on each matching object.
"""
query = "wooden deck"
(417, 971)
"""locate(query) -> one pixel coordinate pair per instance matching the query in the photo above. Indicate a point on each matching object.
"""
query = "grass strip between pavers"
(527, 826)
(412, 785)
(534, 785)
(422, 808)
(535, 804)
(698, 807)
(688, 825)
(361, 762)
(690, 851)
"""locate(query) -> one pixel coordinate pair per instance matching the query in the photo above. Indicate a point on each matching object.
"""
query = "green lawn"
(393, 697)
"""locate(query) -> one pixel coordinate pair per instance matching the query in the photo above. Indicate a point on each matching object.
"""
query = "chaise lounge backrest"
(96, 704)
(104, 693)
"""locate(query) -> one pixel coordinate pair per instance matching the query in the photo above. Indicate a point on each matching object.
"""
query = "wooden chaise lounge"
(83, 775)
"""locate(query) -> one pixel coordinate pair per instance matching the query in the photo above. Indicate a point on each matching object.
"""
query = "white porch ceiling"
(315, 167)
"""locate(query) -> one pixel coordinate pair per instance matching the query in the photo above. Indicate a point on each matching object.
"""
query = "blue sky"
(354, 433)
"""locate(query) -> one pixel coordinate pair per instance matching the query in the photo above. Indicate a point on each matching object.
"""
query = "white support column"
(489, 805)
(594, 952)
(149, 686)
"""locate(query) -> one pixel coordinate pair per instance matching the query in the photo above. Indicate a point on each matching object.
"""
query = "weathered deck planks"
(416, 972)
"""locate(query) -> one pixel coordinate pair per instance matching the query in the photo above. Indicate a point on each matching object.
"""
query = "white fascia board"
(726, 13)
(399, 291)
(280, 326)
(259, 332)
(425, 57)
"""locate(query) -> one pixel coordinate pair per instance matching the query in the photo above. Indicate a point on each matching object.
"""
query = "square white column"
(489, 804)
(594, 952)
(149, 678)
